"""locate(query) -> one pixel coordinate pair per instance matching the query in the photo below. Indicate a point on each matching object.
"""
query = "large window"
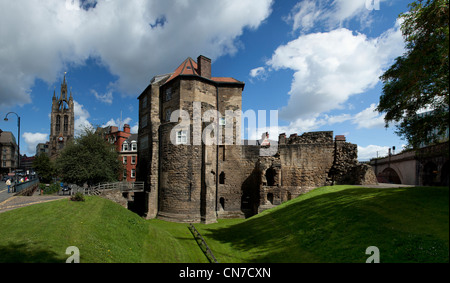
(58, 124)
(66, 123)
(143, 143)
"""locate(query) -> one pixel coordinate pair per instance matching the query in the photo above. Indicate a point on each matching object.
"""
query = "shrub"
(77, 197)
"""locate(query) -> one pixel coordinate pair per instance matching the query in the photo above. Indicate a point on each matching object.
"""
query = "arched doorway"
(270, 176)
(389, 176)
(222, 203)
(429, 174)
(270, 198)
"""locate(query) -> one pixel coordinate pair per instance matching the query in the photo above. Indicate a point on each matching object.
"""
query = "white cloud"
(369, 118)
(41, 38)
(371, 151)
(81, 118)
(259, 73)
(135, 128)
(32, 140)
(106, 98)
(117, 122)
(331, 67)
(307, 14)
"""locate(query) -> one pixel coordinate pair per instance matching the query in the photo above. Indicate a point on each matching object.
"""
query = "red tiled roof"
(190, 67)
(225, 80)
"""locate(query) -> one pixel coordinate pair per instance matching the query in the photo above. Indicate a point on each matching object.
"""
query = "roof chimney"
(126, 128)
(204, 66)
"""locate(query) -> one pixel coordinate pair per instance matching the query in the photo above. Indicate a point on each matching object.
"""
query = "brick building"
(8, 153)
(192, 180)
(125, 143)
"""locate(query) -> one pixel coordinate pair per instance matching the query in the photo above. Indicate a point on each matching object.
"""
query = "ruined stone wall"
(239, 191)
(306, 160)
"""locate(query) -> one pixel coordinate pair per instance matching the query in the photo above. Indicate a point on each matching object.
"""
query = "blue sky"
(317, 62)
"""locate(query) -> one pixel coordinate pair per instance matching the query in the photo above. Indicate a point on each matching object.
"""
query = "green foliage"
(419, 79)
(77, 197)
(44, 167)
(48, 190)
(89, 159)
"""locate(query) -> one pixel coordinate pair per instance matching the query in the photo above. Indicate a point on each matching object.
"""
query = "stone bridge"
(428, 166)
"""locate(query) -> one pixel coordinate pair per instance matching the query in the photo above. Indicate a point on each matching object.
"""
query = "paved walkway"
(9, 202)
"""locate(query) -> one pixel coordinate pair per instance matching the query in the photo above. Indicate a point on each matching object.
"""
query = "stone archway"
(389, 175)
(429, 174)
(445, 174)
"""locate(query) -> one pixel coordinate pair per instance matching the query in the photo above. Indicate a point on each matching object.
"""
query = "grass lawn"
(329, 224)
(338, 224)
(103, 231)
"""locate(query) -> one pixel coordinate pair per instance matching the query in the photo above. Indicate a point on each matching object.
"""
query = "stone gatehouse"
(189, 181)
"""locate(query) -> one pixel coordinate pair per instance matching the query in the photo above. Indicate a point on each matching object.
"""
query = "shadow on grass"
(26, 253)
(407, 225)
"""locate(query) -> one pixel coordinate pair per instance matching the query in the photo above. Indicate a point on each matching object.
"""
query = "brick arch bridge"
(422, 167)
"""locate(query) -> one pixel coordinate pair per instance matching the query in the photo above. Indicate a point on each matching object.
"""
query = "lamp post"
(18, 136)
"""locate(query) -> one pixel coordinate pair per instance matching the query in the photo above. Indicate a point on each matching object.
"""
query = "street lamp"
(18, 136)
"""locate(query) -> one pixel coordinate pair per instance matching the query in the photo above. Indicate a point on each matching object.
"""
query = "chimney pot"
(204, 66)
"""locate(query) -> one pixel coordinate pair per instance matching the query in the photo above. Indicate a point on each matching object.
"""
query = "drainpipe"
(217, 147)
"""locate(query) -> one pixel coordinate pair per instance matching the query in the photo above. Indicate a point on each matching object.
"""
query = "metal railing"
(18, 187)
(124, 187)
(203, 245)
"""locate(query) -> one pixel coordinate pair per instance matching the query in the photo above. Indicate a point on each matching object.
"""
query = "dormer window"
(134, 146)
(125, 146)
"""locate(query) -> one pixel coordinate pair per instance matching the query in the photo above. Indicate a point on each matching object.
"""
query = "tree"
(89, 159)
(44, 167)
(418, 81)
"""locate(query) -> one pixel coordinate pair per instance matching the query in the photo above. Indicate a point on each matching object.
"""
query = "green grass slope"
(329, 224)
(338, 224)
(103, 231)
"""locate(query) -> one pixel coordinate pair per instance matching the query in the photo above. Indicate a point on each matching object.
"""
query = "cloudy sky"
(317, 62)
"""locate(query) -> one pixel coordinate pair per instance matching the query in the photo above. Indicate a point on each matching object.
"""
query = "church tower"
(62, 126)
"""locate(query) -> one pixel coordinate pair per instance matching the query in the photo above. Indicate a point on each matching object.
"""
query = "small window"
(181, 137)
(125, 146)
(133, 159)
(125, 174)
(168, 94)
(168, 113)
(222, 178)
(133, 146)
(124, 159)
(133, 173)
